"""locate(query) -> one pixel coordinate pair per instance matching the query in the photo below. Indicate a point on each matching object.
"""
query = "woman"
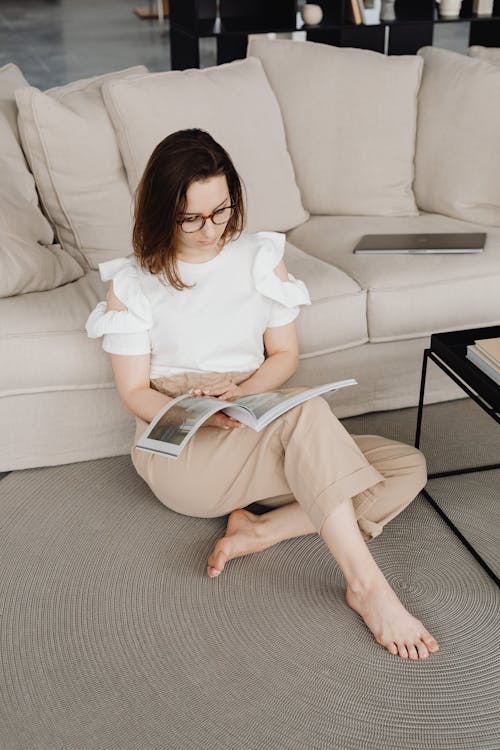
(192, 310)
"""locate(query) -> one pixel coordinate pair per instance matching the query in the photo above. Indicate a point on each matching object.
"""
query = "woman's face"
(203, 198)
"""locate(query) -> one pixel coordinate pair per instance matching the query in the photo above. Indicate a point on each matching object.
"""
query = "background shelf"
(191, 20)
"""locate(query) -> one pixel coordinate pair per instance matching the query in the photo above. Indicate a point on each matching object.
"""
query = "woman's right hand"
(221, 420)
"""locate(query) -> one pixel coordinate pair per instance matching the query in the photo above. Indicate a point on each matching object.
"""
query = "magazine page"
(175, 424)
(262, 403)
(270, 405)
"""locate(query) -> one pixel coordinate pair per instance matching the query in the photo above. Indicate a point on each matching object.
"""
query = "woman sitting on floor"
(203, 306)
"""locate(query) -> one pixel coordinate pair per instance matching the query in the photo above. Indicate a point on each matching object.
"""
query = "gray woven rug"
(112, 637)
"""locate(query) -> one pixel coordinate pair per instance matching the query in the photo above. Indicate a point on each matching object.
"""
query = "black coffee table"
(448, 351)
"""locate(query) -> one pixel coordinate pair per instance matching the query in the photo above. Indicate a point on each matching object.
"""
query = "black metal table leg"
(488, 467)
(459, 534)
(421, 398)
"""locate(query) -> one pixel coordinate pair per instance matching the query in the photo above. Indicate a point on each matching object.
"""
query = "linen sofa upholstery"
(29, 258)
(44, 343)
(411, 296)
(490, 54)
(457, 159)
(335, 296)
(143, 113)
(72, 150)
(370, 318)
(350, 122)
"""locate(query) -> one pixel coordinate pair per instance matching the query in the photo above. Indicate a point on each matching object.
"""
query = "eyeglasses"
(195, 223)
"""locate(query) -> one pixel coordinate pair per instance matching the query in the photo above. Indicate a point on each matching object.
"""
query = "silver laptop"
(443, 242)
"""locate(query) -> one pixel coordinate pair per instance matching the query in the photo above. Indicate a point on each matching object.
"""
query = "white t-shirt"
(217, 326)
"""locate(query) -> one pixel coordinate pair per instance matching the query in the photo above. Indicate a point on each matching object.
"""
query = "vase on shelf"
(373, 12)
(449, 8)
(482, 7)
(388, 11)
(311, 14)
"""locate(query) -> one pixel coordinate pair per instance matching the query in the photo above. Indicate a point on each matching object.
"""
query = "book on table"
(174, 425)
(485, 354)
(490, 348)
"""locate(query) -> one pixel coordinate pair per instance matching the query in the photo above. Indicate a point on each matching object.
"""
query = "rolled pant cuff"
(340, 490)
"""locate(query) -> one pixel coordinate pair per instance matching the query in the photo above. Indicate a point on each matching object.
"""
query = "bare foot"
(243, 536)
(391, 624)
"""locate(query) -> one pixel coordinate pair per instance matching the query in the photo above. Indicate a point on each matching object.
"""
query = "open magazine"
(177, 422)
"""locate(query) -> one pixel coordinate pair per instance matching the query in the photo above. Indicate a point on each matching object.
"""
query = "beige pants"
(305, 455)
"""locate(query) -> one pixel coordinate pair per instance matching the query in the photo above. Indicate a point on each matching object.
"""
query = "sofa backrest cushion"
(72, 150)
(489, 54)
(28, 260)
(457, 160)
(235, 104)
(350, 120)
(28, 267)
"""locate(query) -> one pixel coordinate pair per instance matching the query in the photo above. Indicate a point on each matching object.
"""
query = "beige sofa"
(331, 144)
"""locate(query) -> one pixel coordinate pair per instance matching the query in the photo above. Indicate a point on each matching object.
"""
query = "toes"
(430, 642)
(217, 560)
(215, 565)
(212, 562)
(422, 650)
(412, 651)
(419, 649)
(402, 651)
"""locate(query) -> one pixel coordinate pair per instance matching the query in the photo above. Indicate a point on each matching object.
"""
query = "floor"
(112, 636)
(57, 41)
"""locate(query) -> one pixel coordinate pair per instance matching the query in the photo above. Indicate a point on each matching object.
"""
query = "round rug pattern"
(112, 635)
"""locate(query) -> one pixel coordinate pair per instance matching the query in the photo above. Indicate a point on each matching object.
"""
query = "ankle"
(266, 530)
(367, 582)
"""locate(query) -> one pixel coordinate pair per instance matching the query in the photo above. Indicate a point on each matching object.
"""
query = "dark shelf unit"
(190, 20)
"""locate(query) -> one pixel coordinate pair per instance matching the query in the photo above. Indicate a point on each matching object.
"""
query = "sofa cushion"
(337, 317)
(71, 147)
(350, 120)
(457, 160)
(411, 295)
(236, 105)
(28, 267)
(489, 54)
(43, 343)
(27, 264)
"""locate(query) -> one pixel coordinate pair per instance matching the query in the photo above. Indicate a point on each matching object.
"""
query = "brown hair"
(181, 158)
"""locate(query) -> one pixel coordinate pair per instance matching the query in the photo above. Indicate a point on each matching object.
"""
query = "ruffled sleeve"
(123, 331)
(286, 295)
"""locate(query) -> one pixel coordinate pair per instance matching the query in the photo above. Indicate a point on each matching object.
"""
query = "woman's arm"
(281, 362)
(131, 373)
(132, 383)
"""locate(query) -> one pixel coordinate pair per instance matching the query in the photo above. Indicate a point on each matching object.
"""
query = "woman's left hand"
(224, 389)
